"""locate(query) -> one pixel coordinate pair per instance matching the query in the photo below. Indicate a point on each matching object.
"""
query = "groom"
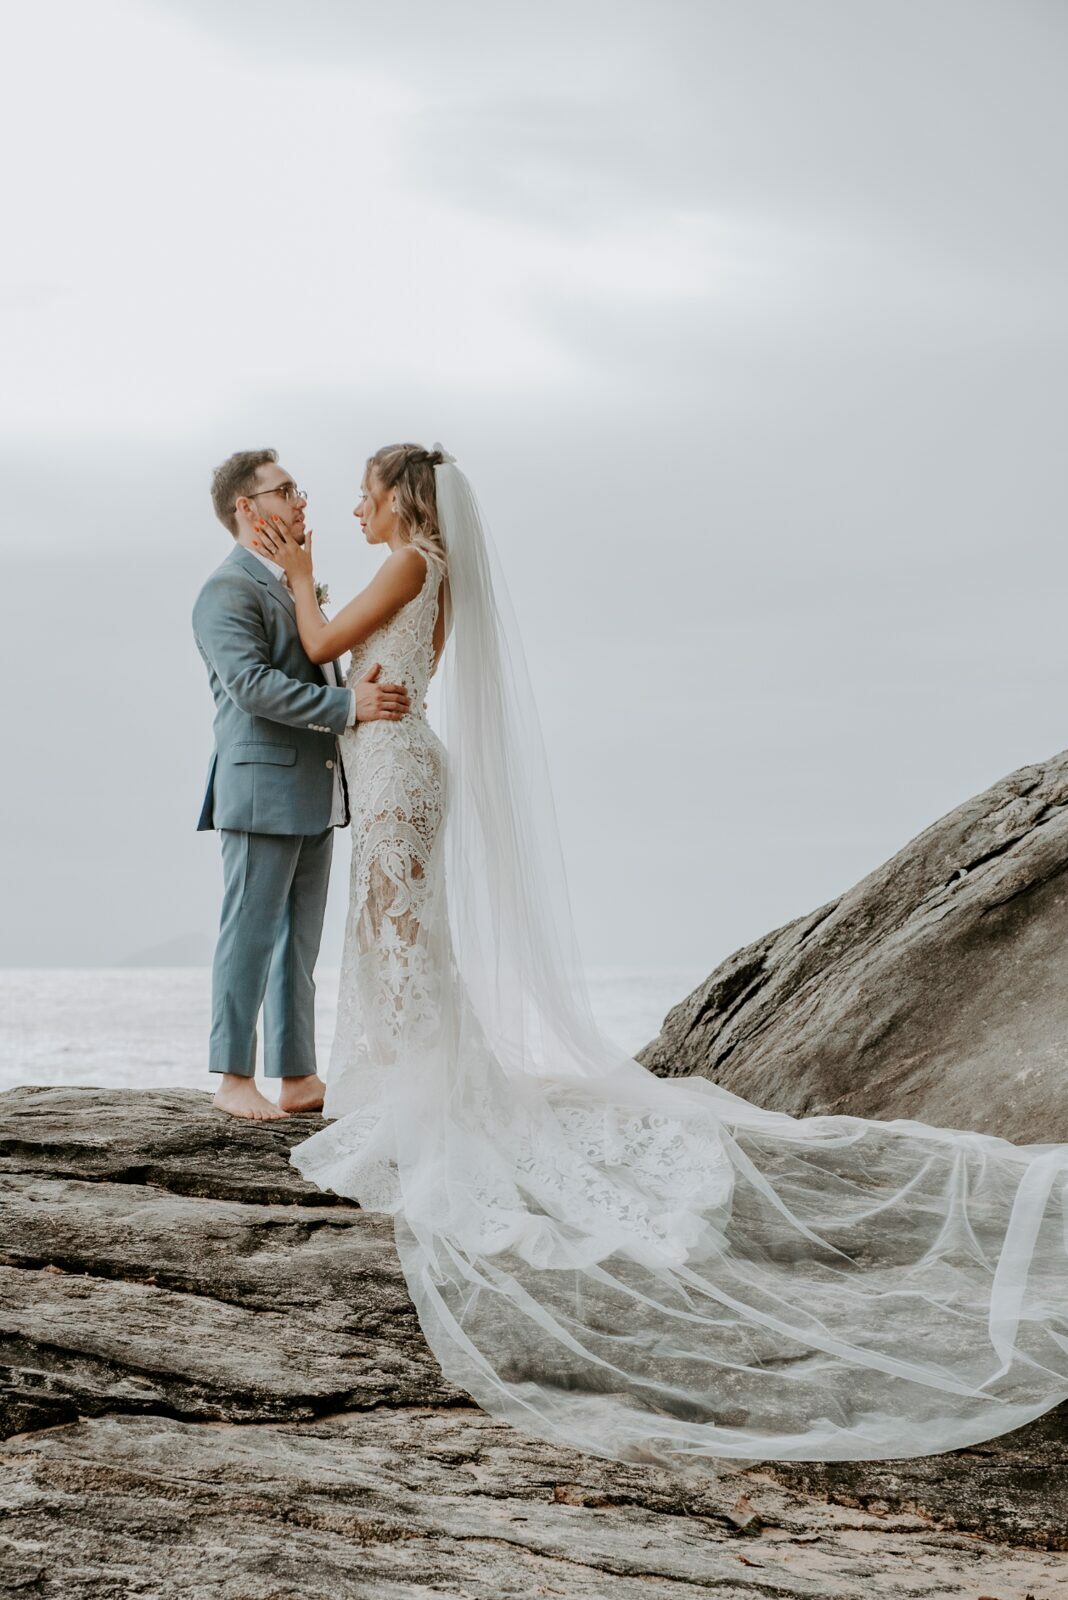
(276, 791)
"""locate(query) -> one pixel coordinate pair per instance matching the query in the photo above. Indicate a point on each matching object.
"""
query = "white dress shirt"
(337, 813)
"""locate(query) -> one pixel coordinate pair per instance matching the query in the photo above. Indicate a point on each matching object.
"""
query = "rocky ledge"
(936, 988)
(214, 1383)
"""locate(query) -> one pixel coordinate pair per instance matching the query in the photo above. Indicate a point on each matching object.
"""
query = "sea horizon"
(147, 1027)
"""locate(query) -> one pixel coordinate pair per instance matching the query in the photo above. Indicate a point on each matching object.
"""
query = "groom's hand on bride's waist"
(379, 702)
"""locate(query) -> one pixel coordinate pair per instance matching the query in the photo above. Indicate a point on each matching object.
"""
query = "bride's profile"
(646, 1268)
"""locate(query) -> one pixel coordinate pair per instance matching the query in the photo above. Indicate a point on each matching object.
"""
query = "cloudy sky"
(747, 319)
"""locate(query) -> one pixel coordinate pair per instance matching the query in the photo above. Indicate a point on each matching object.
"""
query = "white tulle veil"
(655, 1269)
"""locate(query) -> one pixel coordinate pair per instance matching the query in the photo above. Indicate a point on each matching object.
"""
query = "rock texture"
(213, 1383)
(937, 988)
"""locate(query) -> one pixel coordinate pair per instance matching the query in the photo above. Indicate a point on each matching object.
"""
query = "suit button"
(330, 763)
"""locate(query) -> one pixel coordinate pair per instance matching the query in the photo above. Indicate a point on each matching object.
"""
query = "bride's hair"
(408, 469)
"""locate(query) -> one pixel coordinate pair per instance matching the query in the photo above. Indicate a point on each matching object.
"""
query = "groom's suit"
(275, 792)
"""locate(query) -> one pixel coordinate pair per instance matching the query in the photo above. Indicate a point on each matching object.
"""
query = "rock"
(382, 1505)
(213, 1383)
(742, 1515)
(158, 1283)
(936, 989)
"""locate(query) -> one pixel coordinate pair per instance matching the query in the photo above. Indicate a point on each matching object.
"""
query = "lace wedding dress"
(647, 1269)
(390, 994)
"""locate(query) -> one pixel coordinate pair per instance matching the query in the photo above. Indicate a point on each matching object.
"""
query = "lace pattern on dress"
(396, 775)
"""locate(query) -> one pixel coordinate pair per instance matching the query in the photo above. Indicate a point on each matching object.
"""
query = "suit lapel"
(255, 569)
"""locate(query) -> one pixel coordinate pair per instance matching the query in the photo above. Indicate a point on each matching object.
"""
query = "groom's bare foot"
(302, 1094)
(240, 1097)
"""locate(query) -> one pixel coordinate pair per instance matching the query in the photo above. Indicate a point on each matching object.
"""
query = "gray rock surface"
(213, 1383)
(937, 988)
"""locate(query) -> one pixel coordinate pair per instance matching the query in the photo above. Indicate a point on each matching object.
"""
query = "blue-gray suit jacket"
(276, 720)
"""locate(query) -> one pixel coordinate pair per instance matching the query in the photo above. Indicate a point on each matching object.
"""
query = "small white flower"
(322, 594)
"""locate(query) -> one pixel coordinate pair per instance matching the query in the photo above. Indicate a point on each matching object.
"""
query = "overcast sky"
(747, 320)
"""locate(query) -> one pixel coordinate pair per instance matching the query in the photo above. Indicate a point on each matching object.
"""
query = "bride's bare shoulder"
(403, 572)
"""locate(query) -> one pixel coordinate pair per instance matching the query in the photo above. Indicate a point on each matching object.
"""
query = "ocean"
(147, 1027)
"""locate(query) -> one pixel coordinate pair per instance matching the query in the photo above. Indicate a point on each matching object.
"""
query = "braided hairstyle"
(408, 469)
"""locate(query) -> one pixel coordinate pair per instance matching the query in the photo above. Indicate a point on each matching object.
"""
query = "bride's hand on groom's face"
(273, 539)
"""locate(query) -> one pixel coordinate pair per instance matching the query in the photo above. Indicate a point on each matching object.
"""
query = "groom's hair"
(236, 476)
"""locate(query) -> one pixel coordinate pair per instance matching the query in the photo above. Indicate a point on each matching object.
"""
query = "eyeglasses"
(288, 491)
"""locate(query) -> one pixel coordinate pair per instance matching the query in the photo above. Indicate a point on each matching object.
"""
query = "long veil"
(655, 1269)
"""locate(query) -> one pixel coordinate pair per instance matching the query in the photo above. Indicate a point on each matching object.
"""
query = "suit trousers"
(274, 900)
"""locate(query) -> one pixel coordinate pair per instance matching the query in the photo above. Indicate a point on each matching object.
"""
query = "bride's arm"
(398, 580)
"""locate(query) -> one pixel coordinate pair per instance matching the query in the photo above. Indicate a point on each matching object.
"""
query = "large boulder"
(936, 989)
(212, 1383)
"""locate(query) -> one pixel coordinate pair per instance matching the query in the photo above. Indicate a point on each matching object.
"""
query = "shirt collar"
(272, 566)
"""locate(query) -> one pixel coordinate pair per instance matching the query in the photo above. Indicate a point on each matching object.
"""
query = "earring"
(395, 506)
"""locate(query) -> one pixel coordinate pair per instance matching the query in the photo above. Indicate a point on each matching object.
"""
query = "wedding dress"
(648, 1269)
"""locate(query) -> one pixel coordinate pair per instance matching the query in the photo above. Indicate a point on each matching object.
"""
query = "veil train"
(645, 1268)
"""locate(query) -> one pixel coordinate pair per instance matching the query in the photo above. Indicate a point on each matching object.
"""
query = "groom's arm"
(229, 628)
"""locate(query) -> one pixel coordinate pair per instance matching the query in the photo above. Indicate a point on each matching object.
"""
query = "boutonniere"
(322, 595)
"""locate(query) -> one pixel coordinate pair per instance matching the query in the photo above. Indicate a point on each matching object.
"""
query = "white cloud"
(198, 224)
(748, 320)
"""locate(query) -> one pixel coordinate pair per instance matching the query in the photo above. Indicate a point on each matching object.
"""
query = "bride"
(648, 1269)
